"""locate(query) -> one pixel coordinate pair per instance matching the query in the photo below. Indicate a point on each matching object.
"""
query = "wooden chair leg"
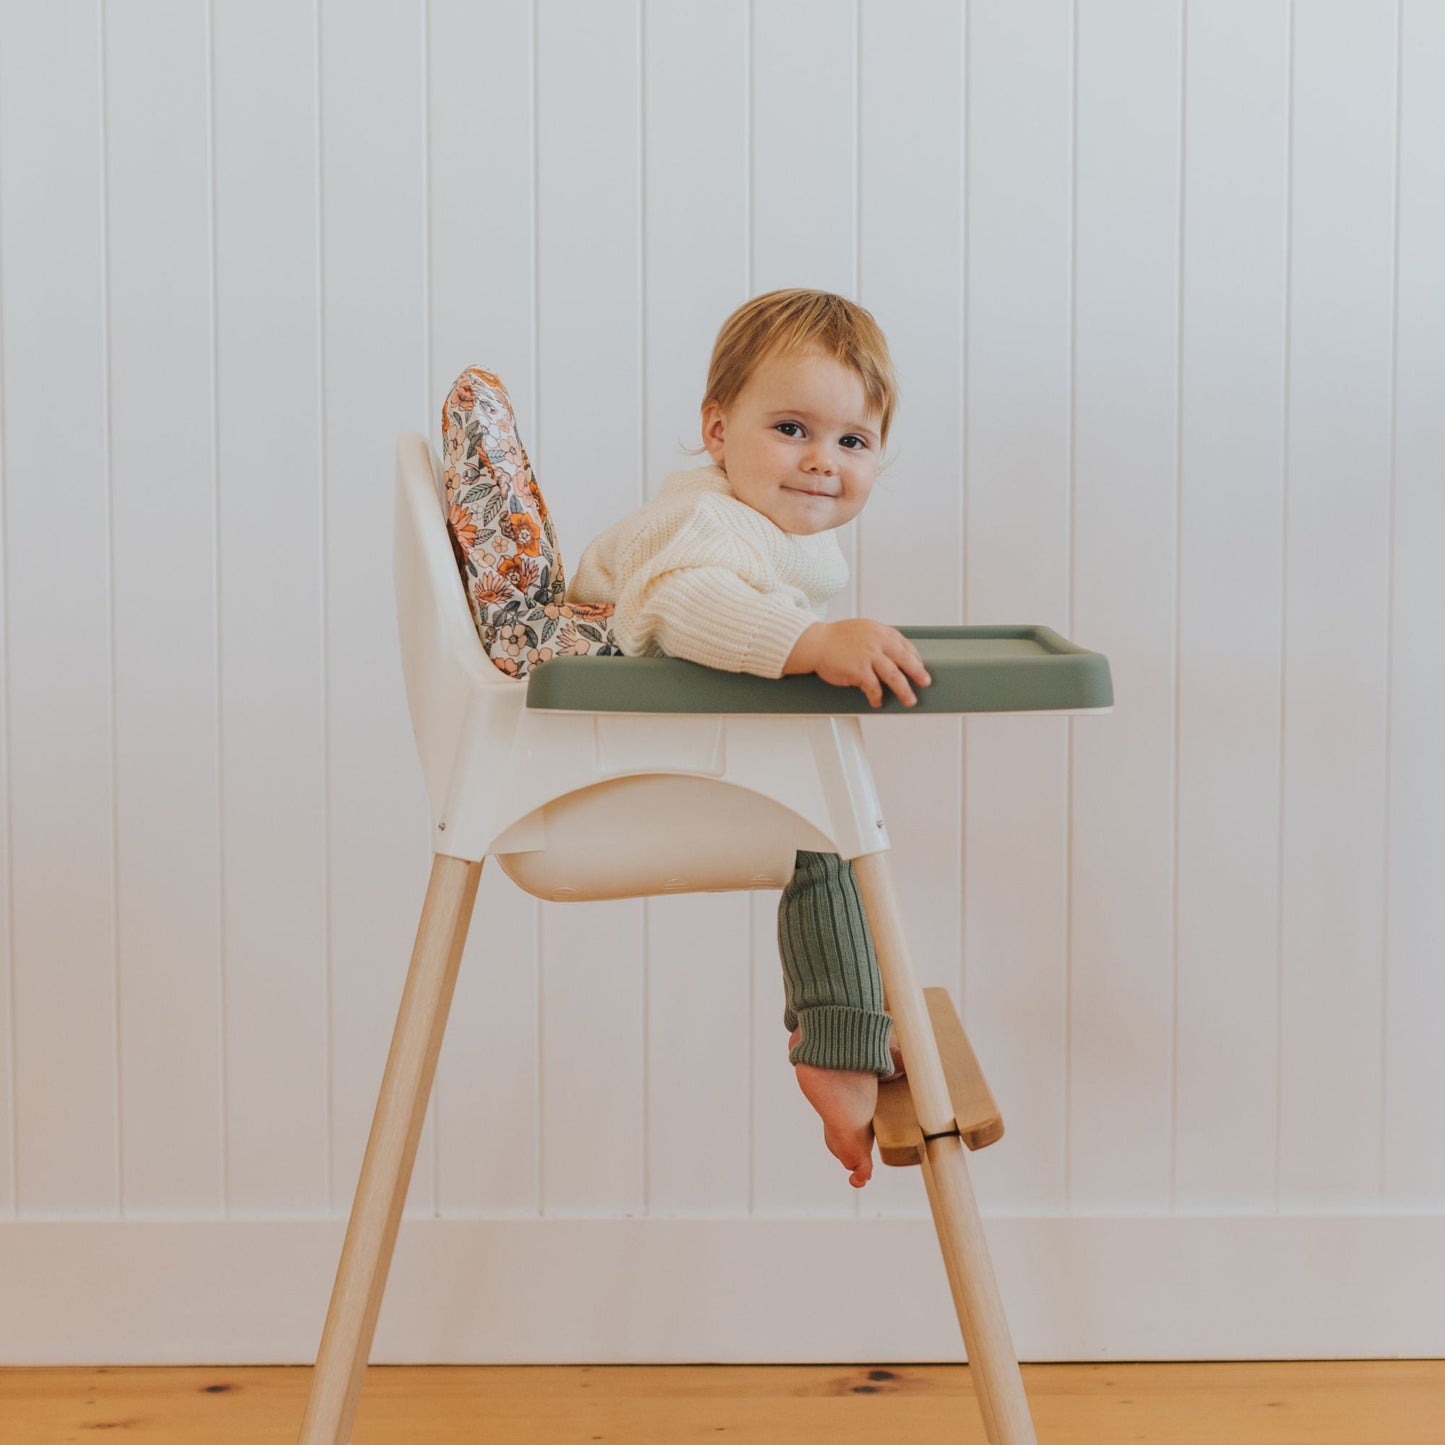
(993, 1364)
(390, 1152)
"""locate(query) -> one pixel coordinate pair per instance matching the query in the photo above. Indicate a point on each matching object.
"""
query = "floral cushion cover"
(503, 538)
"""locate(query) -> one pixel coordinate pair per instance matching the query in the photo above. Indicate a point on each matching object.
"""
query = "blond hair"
(779, 323)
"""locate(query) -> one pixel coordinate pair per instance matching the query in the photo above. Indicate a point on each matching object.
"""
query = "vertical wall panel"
(804, 161)
(590, 397)
(1232, 485)
(8, 1202)
(482, 288)
(698, 986)
(1336, 600)
(52, 230)
(373, 366)
(696, 147)
(698, 1048)
(1414, 1125)
(804, 67)
(1126, 342)
(273, 765)
(910, 533)
(7, 903)
(589, 261)
(480, 204)
(1015, 901)
(162, 429)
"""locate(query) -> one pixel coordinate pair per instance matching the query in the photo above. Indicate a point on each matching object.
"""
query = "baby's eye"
(862, 443)
(792, 424)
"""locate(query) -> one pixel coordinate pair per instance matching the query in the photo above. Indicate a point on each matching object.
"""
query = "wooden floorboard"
(1370, 1402)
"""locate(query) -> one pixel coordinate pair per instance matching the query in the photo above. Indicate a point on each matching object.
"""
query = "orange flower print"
(464, 529)
(521, 572)
(503, 562)
(490, 590)
(592, 611)
(525, 530)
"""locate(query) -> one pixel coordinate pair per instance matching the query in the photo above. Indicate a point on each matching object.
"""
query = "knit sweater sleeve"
(705, 594)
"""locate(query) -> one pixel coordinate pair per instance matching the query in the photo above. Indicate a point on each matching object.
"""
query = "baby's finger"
(868, 686)
(889, 671)
(912, 659)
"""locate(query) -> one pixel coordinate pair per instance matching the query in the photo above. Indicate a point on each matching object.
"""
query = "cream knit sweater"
(696, 573)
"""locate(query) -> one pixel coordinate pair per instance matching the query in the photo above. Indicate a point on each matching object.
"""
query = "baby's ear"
(714, 426)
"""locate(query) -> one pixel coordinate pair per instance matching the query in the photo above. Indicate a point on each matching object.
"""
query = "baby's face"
(799, 443)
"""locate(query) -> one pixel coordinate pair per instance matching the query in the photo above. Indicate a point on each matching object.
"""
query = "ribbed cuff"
(835, 1037)
(771, 643)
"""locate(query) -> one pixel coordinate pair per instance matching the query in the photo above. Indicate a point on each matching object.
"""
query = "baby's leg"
(832, 989)
(839, 1043)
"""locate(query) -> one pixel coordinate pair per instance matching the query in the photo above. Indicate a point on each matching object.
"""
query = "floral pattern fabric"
(503, 538)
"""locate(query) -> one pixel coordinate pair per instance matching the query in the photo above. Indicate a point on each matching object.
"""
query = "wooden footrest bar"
(895, 1124)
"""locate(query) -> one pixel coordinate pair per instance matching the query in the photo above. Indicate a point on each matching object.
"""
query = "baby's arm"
(708, 614)
(858, 652)
(687, 585)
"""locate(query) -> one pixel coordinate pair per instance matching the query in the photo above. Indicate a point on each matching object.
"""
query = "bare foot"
(845, 1100)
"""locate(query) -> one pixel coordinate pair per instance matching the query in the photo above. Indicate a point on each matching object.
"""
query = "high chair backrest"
(441, 655)
(480, 587)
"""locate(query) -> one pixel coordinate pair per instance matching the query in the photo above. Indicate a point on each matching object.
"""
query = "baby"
(730, 566)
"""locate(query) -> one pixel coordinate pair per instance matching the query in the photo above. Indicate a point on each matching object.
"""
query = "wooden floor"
(1380, 1402)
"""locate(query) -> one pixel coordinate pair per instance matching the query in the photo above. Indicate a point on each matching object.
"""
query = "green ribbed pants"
(831, 982)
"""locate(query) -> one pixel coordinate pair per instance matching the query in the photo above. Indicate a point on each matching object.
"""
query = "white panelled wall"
(1165, 290)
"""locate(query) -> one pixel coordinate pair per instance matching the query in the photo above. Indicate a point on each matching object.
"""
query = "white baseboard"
(767, 1290)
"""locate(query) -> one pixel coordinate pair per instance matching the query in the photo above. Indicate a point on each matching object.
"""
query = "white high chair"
(588, 780)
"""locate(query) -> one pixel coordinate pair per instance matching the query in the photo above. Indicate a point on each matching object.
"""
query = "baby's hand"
(858, 652)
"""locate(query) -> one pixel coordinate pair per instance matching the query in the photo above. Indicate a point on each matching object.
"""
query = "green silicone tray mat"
(974, 669)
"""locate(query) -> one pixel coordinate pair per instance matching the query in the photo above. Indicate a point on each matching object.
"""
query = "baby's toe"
(855, 1153)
